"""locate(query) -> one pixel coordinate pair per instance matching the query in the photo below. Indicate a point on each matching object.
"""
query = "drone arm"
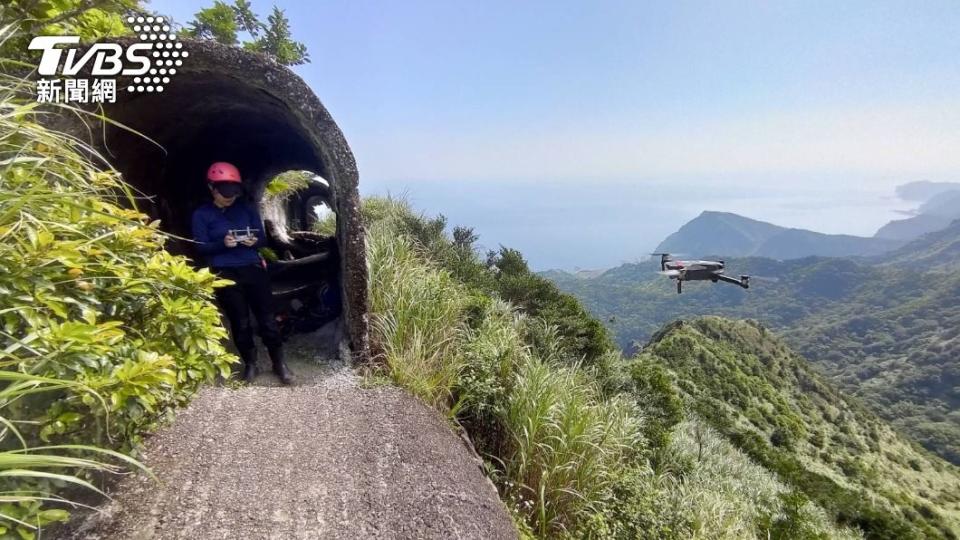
(729, 279)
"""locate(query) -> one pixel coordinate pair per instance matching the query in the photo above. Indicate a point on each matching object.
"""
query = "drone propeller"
(664, 259)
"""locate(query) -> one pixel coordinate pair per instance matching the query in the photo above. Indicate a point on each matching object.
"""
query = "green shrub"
(504, 274)
(640, 510)
(584, 336)
(33, 477)
(795, 521)
(654, 389)
(90, 298)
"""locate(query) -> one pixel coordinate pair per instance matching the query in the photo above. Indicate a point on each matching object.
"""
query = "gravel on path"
(325, 458)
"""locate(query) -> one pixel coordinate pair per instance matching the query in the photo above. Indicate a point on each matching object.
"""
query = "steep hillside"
(895, 344)
(887, 334)
(737, 236)
(719, 232)
(912, 227)
(581, 442)
(775, 407)
(797, 243)
(945, 204)
(933, 215)
(938, 250)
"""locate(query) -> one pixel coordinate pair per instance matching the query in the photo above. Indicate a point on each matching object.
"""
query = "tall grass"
(568, 445)
(555, 442)
(417, 319)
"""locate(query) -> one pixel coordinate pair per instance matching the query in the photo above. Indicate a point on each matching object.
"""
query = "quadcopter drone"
(696, 271)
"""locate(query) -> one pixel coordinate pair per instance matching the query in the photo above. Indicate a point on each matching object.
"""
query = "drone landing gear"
(679, 286)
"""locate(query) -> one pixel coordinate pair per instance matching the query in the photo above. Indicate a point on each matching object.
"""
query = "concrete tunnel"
(227, 104)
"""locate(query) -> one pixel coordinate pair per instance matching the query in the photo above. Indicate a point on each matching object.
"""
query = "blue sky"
(643, 113)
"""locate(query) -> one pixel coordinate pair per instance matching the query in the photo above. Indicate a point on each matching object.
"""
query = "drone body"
(697, 271)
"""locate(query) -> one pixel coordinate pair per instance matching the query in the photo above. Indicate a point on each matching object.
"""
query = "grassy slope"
(785, 415)
(578, 446)
(882, 333)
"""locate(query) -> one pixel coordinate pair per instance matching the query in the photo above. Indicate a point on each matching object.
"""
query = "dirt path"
(326, 458)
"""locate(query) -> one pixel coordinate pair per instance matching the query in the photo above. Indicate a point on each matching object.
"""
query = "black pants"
(251, 292)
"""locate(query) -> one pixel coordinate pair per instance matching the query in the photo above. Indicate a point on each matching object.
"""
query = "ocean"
(573, 225)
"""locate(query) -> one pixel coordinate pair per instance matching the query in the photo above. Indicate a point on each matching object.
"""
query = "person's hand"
(229, 241)
(251, 240)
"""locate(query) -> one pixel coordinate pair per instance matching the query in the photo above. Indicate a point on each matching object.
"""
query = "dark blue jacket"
(211, 224)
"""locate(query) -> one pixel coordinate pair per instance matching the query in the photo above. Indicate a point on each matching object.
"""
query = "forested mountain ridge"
(773, 405)
(896, 345)
(883, 329)
(938, 250)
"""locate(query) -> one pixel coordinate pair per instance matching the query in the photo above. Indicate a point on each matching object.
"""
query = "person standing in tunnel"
(227, 232)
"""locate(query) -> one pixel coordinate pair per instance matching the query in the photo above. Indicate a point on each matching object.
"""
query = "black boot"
(249, 358)
(279, 366)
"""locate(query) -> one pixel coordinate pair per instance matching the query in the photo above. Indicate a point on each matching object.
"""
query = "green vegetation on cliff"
(884, 331)
(770, 403)
(582, 442)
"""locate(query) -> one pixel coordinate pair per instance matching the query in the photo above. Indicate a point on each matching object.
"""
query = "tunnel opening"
(240, 107)
(302, 250)
(229, 123)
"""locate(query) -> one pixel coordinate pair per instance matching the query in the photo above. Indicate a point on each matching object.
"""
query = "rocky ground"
(329, 457)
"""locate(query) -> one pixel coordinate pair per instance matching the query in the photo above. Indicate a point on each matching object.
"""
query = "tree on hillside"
(223, 22)
(276, 41)
(585, 337)
(218, 23)
(96, 19)
(89, 19)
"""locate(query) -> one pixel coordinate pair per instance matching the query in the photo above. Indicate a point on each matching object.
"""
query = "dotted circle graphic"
(167, 51)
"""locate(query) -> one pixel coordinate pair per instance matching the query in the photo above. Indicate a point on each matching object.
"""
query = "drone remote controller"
(242, 235)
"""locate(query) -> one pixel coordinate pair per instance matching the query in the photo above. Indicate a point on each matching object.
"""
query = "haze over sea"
(567, 225)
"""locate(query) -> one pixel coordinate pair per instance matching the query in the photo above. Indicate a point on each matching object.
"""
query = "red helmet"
(222, 171)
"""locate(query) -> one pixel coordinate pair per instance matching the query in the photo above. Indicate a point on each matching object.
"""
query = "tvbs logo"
(151, 63)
